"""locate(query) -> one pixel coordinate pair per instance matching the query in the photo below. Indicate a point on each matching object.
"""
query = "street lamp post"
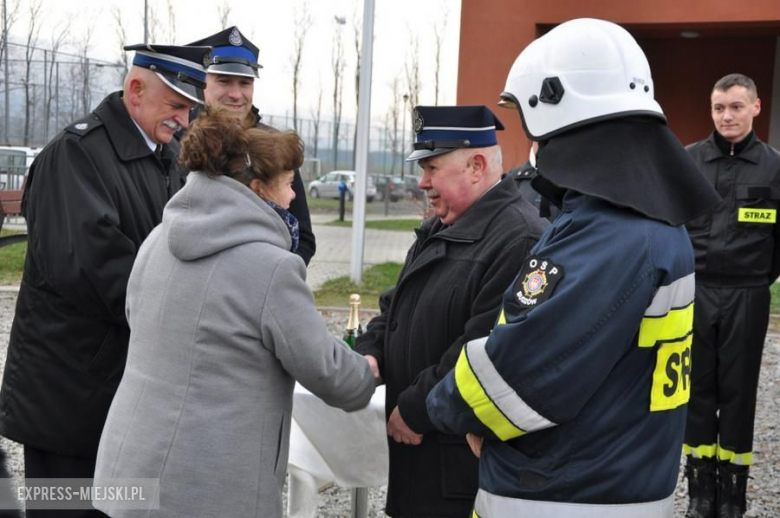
(146, 21)
(5, 79)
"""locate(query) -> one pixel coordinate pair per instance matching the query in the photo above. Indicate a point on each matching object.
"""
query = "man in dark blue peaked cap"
(447, 294)
(183, 69)
(441, 129)
(92, 196)
(230, 77)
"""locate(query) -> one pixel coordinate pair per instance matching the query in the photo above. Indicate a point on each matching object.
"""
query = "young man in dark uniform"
(231, 84)
(737, 249)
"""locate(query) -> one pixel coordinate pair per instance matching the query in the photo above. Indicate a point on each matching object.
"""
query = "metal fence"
(319, 144)
(48, 90)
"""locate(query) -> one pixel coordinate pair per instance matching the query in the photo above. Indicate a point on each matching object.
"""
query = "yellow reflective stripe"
(475, 397)
(672, 326)
(757, 216)
(740, 459)
(672, 375)
(501, 318)
(705, 451)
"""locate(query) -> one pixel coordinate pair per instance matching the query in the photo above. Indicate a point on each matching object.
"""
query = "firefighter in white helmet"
(576, 401)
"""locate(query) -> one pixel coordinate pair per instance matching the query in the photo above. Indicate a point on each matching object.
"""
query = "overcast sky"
(270, 25)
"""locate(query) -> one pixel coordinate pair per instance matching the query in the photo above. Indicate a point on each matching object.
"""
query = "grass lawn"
(331, 206)
(376, 280)
(774, 307)
(11, 262)
(404, 225)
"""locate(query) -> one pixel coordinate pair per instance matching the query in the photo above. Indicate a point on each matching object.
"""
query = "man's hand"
(399, 431)
(375, 369)
(475, 443)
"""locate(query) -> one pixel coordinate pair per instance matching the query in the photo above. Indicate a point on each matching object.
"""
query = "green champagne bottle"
(354, 328)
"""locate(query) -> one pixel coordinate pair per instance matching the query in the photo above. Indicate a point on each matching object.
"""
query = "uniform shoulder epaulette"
(525, 171)
(85, 125)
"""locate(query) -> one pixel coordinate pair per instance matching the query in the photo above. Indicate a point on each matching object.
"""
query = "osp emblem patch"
(536, 282)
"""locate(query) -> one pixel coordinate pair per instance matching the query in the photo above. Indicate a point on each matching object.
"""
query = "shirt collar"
(149, 142)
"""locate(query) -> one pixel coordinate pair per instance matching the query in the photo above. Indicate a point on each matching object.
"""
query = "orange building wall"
(685, 70)
(493, 32)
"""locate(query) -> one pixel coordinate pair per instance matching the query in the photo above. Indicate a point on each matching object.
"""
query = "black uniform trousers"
(729, 329)
(45, 464)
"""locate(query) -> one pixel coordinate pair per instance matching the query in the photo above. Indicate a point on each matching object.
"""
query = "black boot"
(732, 486)
(701, 474)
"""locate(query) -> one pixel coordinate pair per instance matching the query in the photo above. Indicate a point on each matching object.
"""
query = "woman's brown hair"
(217, 144)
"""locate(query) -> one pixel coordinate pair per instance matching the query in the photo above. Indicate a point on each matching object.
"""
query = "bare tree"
(439, 29)
(11, 14)
(33, 30)
(121, 36)
(223, 13)
(59, 35)
(356, 29)
(337, 65)
(316, 119)
(171, 22)
(412, 71)
(85, 72)
(302, 23)
(153, 24)
(75, 92)
(391, 121)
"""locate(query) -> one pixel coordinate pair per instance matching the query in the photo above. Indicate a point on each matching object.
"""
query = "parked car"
(410, 188)
(327, 186)
(15, 161)
(391, 187)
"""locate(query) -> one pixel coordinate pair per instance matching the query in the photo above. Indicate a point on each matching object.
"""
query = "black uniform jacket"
(92, 196)
(448, 293)
(737, 244)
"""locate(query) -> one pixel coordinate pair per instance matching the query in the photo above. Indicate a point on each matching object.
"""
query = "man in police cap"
(231, 84)
(576, 401)
(92, 196)
(447, 294)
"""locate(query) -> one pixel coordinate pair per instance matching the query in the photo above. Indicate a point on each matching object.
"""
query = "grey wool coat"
(222, 325)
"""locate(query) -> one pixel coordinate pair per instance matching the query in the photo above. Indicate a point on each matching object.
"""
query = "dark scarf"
(289, 220)
(630, 162)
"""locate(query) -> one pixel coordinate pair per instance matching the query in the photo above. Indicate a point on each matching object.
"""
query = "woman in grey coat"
(222, 325)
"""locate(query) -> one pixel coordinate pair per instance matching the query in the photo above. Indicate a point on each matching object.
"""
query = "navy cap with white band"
(233, 54)
(183, 69)
(441, 129)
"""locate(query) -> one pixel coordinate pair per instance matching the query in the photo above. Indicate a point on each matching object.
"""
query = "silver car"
(327, 186)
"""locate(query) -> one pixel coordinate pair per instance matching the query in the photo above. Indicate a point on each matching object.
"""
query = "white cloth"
(330, 445)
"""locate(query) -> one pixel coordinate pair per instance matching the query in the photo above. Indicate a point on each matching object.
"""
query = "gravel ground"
(763, 488)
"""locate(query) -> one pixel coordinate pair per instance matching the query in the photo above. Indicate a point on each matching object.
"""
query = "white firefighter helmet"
(582, 71)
